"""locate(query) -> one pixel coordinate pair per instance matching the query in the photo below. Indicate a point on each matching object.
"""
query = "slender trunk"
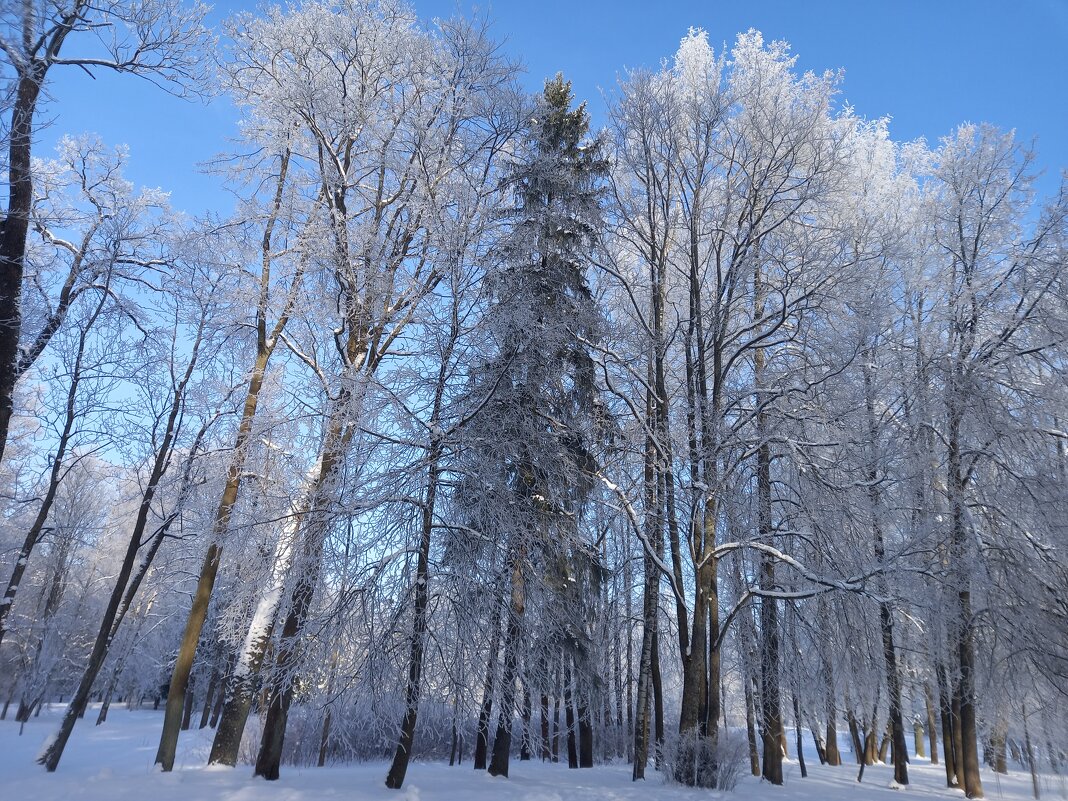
(502, 741)
(482, 737)
(965, 626)
(629, 681)
(973, 786)
(216, 713)
(569, 713)
(546, 752)
(617, 652)
(106, 633)
(658, 702)
(769, 610)
(958, 743)
(998, 736)
(797, 735)
(750, 729)
(769, 688)
(817, 739)
(315, 526)
(871, 743)
(932, 730)
(884, 743)
(324, 739)
(209, 696)
(556, 724)
(187, 712)
(945, 711)
(280, 691)
(859, 749)
(524, 747)
(1031, 763)
(397, 771)
(644, 691)
(237, 698)
(236, 703)
(834, 755)
(886, 620)
(56, 472)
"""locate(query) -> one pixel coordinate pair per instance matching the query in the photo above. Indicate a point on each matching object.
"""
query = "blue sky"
(929, 64)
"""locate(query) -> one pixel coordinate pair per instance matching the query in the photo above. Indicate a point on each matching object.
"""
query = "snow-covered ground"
(113, 762)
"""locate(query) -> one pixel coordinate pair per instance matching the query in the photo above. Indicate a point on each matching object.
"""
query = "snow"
(114, 762)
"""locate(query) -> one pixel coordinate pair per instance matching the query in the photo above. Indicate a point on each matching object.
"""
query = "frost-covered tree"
(161, 40)
(530, 453)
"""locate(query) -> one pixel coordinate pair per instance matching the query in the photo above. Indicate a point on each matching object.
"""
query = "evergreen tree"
(531, 447)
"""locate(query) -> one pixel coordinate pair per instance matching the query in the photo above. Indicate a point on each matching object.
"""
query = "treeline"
(476, 431)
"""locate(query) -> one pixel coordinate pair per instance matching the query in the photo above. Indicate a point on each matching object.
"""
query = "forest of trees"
(475, 433)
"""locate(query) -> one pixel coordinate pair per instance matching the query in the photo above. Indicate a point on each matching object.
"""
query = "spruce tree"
(530, 453)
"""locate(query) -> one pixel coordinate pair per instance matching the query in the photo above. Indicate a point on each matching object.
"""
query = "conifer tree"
(531, 447)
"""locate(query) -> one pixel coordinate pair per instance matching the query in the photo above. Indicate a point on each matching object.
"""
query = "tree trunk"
(932, 729)
(817, 739)
(106, 633)
(187, 712)
(324, 739)
(998, 736)
(769, 688)
(397, 770)
(973, 785)
(945, 711)
(834, 755)
(569, 712)
(198, 612)
(71, 413)
(771, 706)
(524, 747)
(236, 701)
(750, 729)
(644, 693)
(209, 696)
(965, 626)
(658, 701)
(482, 737)
(556, 725)
(1031, 764)
(546, 750)
(859, 749)
(269, 759)
(13, 230)
(958, 743)
(502, 741)
(797, 735)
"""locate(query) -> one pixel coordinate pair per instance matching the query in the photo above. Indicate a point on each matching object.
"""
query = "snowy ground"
(114, 762)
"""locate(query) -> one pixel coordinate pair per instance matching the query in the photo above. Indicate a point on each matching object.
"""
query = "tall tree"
(532, 448)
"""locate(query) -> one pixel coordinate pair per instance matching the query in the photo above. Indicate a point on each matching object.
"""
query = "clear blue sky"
(929, 64)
